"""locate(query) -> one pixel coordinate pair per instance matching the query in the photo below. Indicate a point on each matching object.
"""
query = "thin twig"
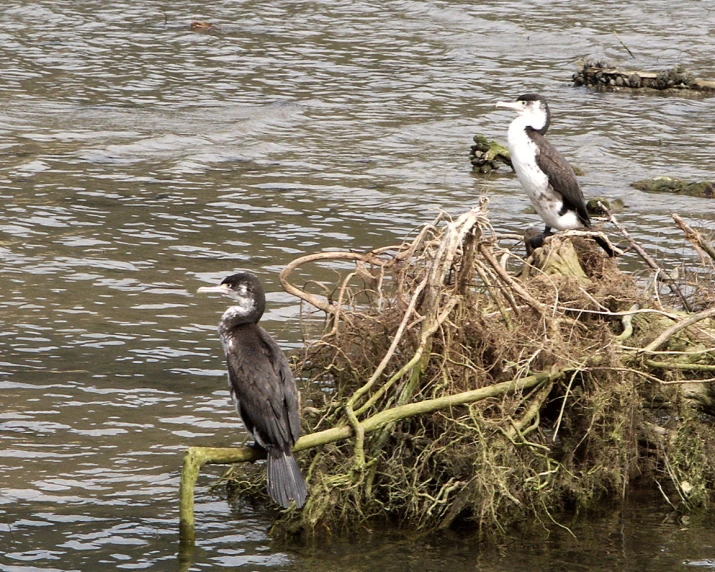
(701, 245)
(645, 256)
(393, 346)
(626, 47)
(339, 305)
(563, 405)
(515, 286)
(627, 324)
(320, 256)
(413, 361)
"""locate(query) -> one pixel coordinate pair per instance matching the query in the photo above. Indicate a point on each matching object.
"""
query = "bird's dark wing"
(561, 176)
(264, 388)
(289, 390)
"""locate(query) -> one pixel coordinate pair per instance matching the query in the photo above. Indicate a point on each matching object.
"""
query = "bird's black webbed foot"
(537, 241)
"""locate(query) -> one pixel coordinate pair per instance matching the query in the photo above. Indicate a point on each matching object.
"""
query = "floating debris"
(201, 26)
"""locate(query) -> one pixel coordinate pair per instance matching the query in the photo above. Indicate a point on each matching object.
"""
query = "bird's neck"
(520, 128)
(521, 145)
(239, 315)
(517, 131)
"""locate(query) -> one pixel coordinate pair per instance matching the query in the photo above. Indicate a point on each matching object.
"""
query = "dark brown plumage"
(561, 177)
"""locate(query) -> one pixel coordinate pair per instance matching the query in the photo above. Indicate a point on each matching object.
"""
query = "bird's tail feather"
(285, 481)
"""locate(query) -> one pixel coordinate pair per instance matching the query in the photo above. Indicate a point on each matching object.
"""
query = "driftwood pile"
(460, 383)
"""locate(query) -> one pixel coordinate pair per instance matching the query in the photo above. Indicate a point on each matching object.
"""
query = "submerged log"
(604, 75)
(701, 189)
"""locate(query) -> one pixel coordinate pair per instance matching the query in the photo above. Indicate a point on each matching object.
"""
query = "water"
(140, 160)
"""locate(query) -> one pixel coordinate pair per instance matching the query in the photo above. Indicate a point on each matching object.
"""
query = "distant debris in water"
(702, 189)
(605, 75)
(201, 26)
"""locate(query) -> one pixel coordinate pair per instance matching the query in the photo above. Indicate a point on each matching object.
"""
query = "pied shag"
(546, 176)
(262, 385)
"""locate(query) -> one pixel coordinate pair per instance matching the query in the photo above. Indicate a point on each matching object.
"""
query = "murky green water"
(140, 160)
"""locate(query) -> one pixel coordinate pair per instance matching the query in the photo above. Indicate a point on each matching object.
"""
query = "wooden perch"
(196, 457)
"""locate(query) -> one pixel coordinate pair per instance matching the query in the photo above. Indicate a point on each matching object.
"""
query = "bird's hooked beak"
(220, 289)
(513, 105)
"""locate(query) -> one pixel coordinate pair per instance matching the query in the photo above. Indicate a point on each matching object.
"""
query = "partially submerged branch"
(604, 75)
(702, 246)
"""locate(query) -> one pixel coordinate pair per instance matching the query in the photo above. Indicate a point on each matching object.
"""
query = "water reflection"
(638, 538)
(140, 160)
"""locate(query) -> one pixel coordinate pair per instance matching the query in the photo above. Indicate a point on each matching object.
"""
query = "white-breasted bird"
(546, 176)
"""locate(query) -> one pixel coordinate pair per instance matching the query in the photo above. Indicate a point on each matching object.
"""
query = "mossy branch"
(197, 457)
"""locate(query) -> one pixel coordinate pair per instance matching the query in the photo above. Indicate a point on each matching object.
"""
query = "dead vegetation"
(481, 388)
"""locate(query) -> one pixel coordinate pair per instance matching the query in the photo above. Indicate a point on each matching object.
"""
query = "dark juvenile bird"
(546, 176)
(262, 385)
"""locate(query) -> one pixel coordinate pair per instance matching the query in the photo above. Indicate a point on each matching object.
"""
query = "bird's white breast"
(545, 200)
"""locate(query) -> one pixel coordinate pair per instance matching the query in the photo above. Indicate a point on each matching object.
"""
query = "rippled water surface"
(140, 160)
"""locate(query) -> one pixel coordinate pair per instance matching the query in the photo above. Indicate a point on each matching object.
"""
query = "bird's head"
(245, 289)
(532, 109)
